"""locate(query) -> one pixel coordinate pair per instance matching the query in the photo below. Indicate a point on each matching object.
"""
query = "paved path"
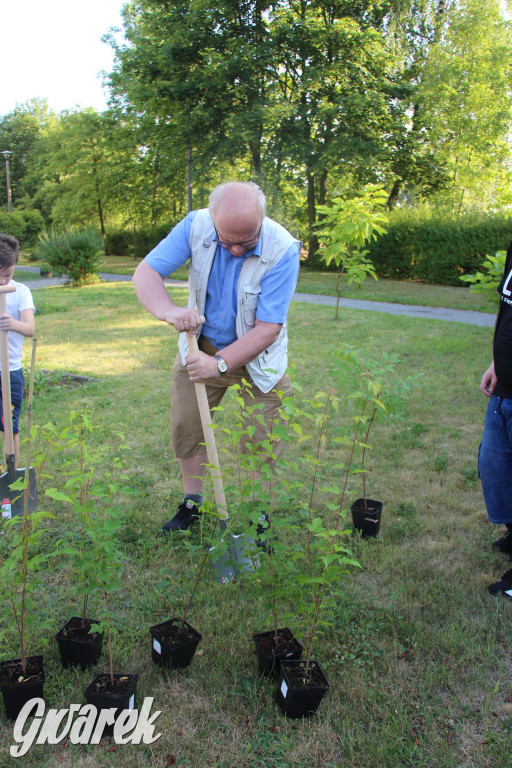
(467, 316)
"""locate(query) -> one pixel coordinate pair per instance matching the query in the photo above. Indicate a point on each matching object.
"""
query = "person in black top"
(495, 454)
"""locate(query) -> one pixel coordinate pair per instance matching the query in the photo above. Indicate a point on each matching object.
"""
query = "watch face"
(221, 364)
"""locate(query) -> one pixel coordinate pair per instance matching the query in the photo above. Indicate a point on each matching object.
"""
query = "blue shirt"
(277, 286)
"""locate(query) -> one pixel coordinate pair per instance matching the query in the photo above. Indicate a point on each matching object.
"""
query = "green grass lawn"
(394, 291)
(418, 656)
(397, 291)
(324, 283)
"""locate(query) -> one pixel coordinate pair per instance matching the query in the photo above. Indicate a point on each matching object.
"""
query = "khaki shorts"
(186, 430)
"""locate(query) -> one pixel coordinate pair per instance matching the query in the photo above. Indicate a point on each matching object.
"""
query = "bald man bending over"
(242, 275)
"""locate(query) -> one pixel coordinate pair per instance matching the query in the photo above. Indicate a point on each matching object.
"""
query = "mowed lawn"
(324, 283)
(418, 654)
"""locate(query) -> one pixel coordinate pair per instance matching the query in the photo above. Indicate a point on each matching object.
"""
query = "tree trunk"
(100, 214)
(255, 150)
(322, 188)
(189, 178)
(393, 195)
(98, 198)
(312, 237)
(156, 171)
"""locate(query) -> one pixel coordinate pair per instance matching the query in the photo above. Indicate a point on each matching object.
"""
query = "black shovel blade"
(223, 566)
(235, 557)
(15, 498)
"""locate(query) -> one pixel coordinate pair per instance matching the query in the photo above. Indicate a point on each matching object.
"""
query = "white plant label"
(284, 689)
(132, 701)
(157, 646)
(6, 509)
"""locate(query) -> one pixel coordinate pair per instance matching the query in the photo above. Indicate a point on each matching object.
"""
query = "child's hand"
(6, 323)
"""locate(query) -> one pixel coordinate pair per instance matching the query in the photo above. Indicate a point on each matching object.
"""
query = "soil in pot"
(270, 654)
(18, 688)
(121, 695)
(77, 645)
(366, 518)
(296, 695)
(174, 643)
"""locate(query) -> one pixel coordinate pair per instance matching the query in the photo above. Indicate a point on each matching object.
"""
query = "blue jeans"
(17, 387)
(495, 460)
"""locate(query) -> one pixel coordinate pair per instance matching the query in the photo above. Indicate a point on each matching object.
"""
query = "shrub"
(138, 245)
(23, 224)
(421, 246)
(34, 225)
(488, 278)
(77, 253)
(13, 224)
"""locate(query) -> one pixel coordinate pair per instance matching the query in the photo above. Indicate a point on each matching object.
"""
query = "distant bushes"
(24, 225)
(436, 250)
(76, 252)
(137, 244)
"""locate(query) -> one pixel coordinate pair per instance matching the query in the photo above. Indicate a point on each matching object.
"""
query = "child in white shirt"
(19, 322)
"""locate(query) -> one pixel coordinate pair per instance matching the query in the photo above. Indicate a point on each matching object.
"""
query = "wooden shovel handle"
(209, 436)
(6, 379)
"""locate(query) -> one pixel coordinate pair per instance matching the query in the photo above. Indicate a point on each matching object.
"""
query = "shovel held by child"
(12, 500)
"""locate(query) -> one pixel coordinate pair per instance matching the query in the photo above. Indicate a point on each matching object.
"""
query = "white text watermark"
(131, 726)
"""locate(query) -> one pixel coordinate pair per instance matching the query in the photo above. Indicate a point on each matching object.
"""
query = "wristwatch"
(221, 365)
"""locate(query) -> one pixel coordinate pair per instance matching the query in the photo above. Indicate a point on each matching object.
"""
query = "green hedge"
(435, 250)
(123, 243)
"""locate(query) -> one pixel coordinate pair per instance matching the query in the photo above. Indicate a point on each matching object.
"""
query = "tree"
(146, 182)
(455, 87)
(467, 98)
(411, 160)
(298, 85)
(333, 77)
(20, 132)
(348, 225)
(78, 165)
(307, 97)
(181, 67)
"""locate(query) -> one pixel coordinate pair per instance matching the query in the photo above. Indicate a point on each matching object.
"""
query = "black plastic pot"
(103, 696)
(366, 520)
(16, 695)
(296, 697)
(167, 650)
(84, 650)
(268, 656)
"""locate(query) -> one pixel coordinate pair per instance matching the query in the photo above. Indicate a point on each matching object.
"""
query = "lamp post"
(7, 154)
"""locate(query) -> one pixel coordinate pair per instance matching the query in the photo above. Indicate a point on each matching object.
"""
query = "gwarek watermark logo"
(131, 726)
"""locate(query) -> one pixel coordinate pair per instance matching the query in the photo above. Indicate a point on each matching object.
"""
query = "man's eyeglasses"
(243, 243)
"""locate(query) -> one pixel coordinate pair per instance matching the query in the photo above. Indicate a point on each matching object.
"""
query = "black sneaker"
(503, 586)
(504, 544)
(186, 514)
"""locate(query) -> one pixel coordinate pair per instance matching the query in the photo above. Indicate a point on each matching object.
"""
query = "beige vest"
(268, 368)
